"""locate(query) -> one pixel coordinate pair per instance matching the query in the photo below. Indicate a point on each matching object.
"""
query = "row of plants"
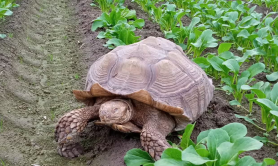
(230, 21)
(234, 22)
(200, 34)
(117, 22)
(271, 4)
(5, 10)
(214, 147)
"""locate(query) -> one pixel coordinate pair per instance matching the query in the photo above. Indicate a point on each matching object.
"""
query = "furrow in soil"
(38, 69)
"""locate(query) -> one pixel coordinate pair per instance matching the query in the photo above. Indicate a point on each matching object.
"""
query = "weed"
(51, 57)
(1, 125)
(76, 76)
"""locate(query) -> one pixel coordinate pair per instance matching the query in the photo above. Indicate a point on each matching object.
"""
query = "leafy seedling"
(204, 41)
(221, 146)
(76, 76)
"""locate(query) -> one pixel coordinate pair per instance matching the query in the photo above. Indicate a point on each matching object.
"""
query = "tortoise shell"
(154, 71)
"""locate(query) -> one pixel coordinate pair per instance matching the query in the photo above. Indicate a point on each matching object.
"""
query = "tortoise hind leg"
(70, 126)
(154, 132)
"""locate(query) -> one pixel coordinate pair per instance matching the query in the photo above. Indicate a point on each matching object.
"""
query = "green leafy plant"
(120, 34)
(2, 162)
(214, 147)
(111, 19)
(106, 5)
(5, 6)
(5, 10)
(180, 34)
(170, 17)
(206, 40)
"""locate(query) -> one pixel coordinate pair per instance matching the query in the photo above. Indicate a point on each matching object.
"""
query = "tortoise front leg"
(153, 135)
(70, 126)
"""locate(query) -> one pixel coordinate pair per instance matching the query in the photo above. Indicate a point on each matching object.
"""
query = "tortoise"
(149, 87)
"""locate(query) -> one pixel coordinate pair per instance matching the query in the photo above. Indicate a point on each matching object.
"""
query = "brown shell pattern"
(157, 72)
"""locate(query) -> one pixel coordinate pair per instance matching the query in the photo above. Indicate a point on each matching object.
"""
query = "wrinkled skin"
(120, 114)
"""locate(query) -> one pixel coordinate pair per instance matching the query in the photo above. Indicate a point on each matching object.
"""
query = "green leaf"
(245, 161)
(215, 138)
(2, 36)
(226, 55)
(234, 102)
(194, 21)
(230, 17)
(203, 136)
(93, 5)
(274, 93)
(244, 33)
(246, 119)
(228, 150)
(268, 104)
(171, 153)
(137, 157)
(256, 69)
(216, 63)
(269, 161)
(97, 24)
(235, 131)
(203, 152)
(205, 39)
(272, 77)
(274, 112)
(261, 139)
(170, 162)
(149, 164)
(241, 81)
(190, 155)
(224, 47)
(111, 43)
(186, 136)
(232, 65)
(229, 89)
(258, 92)
(139, 23)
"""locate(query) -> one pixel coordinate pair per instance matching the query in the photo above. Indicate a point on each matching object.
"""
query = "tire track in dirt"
(38, 69)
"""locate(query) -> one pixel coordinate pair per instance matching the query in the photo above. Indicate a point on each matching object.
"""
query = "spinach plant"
(206, 40)
(111, 19)
(120, 34)
(214, 147)
(106, 5)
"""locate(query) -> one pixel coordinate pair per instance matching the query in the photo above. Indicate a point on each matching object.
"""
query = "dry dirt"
(47, 54)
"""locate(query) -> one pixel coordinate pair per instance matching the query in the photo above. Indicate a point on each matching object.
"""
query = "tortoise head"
(115, 111)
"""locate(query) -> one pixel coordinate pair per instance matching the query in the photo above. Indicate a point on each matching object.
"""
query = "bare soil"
(47, 54)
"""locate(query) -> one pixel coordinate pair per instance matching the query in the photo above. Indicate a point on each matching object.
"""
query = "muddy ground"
(47, 54)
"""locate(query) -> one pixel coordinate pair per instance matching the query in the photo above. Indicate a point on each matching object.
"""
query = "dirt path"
(39, 68)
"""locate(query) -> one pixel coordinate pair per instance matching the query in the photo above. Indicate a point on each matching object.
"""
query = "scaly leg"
(70, 126)
(154, 132)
